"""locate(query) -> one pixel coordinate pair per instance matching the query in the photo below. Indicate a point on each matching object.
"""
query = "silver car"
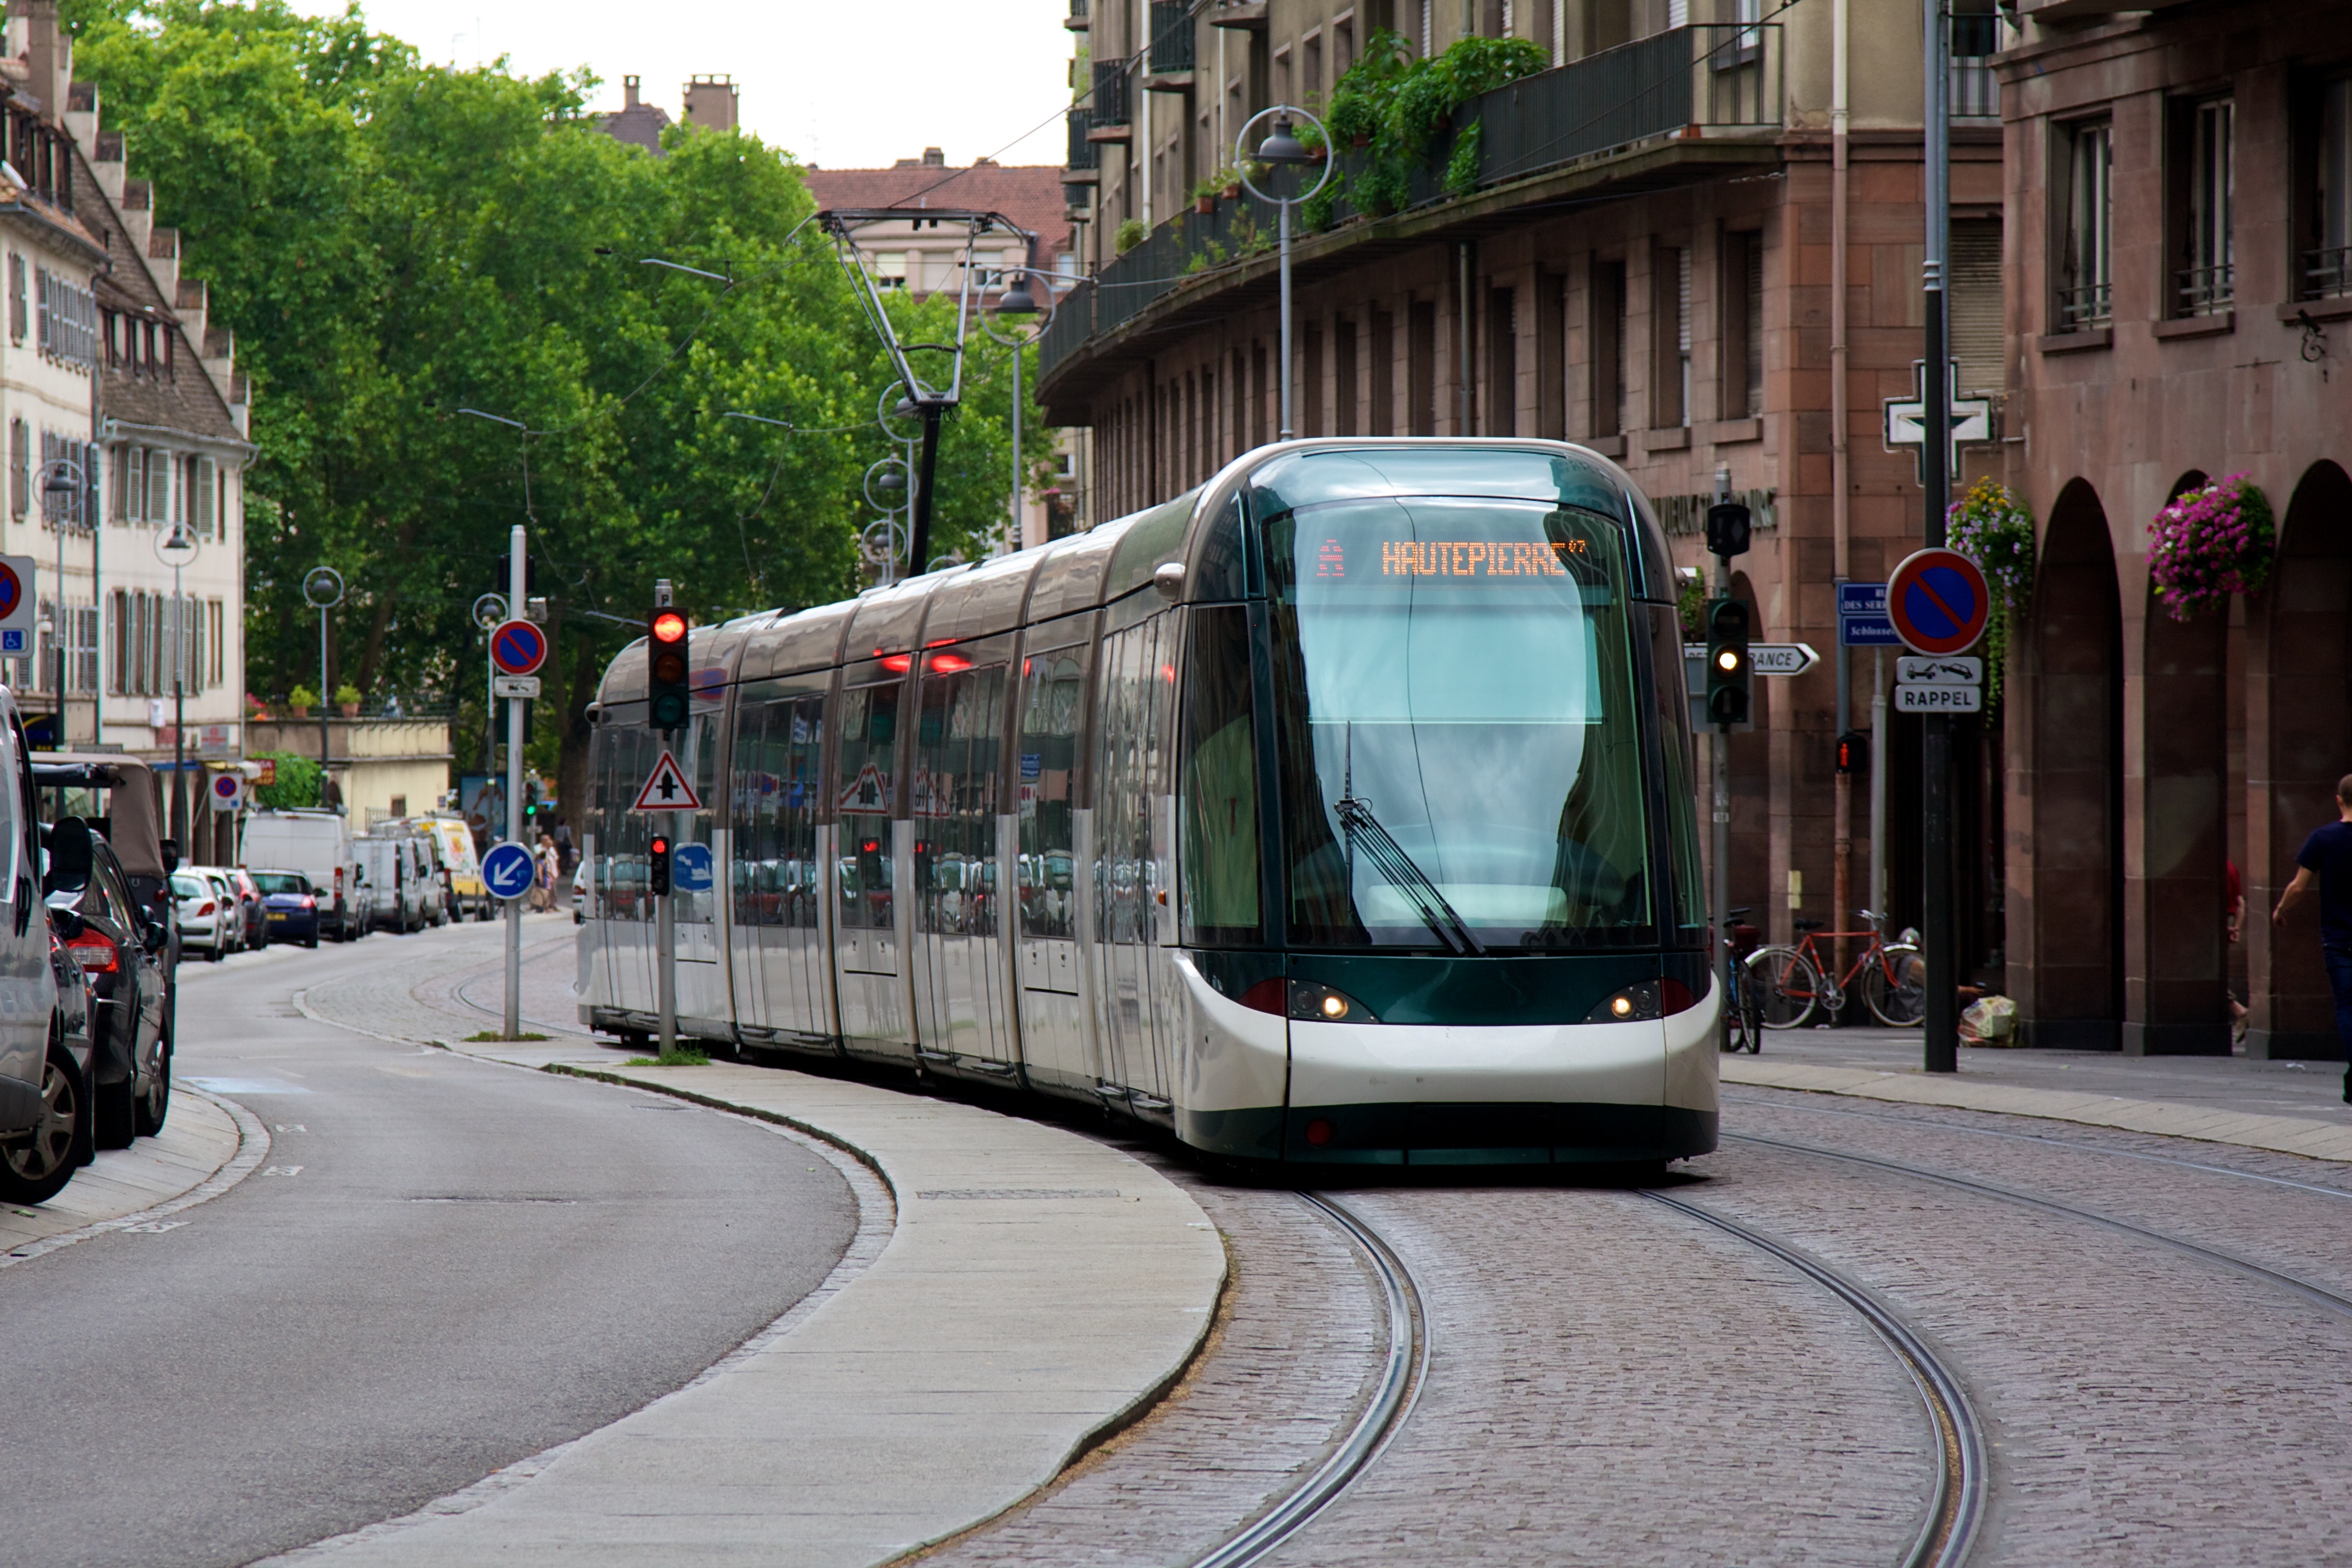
(208, 914)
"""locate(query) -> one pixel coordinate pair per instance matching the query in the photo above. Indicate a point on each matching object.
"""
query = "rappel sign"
(666, 789)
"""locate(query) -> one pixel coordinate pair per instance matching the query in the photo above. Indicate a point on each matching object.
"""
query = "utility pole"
(519, 592)
(1941, 1041)
(666, 899)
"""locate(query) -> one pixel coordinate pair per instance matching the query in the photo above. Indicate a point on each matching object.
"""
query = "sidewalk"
(1034, 1290)
(2294, 1108)
(206, 1147)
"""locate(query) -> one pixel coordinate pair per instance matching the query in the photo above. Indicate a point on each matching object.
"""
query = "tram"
(1338, 811)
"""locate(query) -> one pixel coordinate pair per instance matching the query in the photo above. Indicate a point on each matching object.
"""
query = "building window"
(1743, 325)
(1606, 299)
(1310, 49)
(1670, 306)
(1503, 363)
(2202, 281)
(2085, 226)
(20, 468)
(159, 486)
(215, 625)
(17, 313)
(1343, 47)
(1420, 368)
(2328, 265)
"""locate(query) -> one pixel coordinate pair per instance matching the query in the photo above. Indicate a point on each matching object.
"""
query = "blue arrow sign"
(689, 869)
(508, 870)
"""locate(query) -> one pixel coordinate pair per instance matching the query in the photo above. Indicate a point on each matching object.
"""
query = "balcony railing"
(1679, 84)
(2082, 308)
(1108, 104)
(2205, 290)
(1084, 154)
(1076, 21)
(1172, 36)
(2327, 274)
(1975, 91)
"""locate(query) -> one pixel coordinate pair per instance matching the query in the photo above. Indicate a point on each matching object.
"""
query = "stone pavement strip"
(2287, 1134)
(200, 1141)
(1038, 1290)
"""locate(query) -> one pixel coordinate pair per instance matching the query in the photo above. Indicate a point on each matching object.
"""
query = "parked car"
(252, 934)
(461, 868)
(46, 1062)
(289, 907)
(580, 894)
(124, 951)
(318, 845)
(395, 864)
(207, 912)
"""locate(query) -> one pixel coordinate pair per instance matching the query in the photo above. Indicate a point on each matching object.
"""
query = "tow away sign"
(1939, 699)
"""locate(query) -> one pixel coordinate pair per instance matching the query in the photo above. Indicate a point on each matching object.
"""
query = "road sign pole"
(1939, 940)
(1719, 765)
(518, 570)
(681, 821)
(1878, 789)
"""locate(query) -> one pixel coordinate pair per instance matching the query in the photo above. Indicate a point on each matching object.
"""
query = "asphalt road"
(444, 1265)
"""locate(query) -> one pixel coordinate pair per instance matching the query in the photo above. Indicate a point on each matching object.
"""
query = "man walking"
(2326, 857)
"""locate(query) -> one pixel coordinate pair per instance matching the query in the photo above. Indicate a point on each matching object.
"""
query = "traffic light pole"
(519, 567)
(666, 904)
(1719, 764)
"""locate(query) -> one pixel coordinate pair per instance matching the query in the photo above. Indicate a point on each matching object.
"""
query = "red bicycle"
(1794, 980)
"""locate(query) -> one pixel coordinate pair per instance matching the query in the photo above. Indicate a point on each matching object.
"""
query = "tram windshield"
(1460, 743)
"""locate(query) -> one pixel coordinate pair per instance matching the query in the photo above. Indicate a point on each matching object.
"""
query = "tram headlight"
(1649, 999)
(1326, 1005)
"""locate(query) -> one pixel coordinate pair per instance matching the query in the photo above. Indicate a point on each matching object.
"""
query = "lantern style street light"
(1282, 149)
(1013, 307)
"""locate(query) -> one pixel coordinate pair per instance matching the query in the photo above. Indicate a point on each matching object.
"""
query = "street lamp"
(177, 550)
(322, 587)
(61, 486)
(1282, 149)
(1012, 307)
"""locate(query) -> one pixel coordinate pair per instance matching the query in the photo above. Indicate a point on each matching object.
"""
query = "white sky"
(840, 83)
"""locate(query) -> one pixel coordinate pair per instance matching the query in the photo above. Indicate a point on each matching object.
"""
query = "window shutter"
(1976, 305)
(159, 487)
(207, 478)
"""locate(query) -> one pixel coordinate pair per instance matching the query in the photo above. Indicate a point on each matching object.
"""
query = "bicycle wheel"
(1895, 987)
(1788, 985)
(1751, 1011)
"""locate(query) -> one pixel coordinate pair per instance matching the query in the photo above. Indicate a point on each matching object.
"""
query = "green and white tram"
(1338, 811)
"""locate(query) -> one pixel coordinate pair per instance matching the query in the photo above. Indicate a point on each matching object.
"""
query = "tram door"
(1132, 842)
(872, 979)
(774, 791)
(961, 1003)
(702, 992)
(1052, 717)
(624, 905)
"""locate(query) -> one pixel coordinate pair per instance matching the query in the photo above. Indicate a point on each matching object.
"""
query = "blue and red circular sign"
(1938, 601)
(518, 648)
(12, 591)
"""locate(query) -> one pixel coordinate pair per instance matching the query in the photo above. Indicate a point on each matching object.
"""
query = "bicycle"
(1794, 980)
(1743, 1026)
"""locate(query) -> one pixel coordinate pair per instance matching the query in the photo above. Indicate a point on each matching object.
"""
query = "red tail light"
(1269, 996)
(96, 951)
(339, 883)
(309, 902)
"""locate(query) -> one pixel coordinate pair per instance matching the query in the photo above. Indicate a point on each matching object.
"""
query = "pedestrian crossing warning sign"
(666, 789)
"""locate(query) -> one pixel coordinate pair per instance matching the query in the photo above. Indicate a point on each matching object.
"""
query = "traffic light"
(1728, 527)
(658, 866)
(1729, 673)
(1852, 751)
(669, 691)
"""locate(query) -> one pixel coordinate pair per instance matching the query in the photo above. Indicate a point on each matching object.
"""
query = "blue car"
(289, 907)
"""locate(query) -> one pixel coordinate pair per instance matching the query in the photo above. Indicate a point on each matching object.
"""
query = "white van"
(455, 842)
(399, 870)
(318, 844)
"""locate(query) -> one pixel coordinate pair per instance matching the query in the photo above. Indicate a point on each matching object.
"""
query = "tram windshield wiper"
(1388, 856)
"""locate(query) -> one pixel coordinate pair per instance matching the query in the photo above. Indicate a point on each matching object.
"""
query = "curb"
(252, 1149)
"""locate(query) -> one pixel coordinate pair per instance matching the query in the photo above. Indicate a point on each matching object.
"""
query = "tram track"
(1956, 1507)
(2316, 1295)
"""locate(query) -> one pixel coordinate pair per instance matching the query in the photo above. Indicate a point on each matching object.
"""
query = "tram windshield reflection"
(1458, 671)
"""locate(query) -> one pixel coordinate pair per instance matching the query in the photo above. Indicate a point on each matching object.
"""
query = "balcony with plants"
(1427, 144)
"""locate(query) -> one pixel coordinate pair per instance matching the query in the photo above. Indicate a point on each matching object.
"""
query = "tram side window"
(1678, 803)
(1136, 672)
(955, 788)
(797, 745)
(1221, 866)
(869, 729)
(751, 811)
(1053, 690)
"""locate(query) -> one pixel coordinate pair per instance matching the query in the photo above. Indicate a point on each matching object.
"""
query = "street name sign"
(1939, 699)
(1938, 601)
(1914, 669)
(518, 648)
(508, 870)
(666, 789)
(1782, 658)
(1862, 617)
(514, 686)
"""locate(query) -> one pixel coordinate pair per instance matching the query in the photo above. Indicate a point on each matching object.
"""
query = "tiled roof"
(640, 125)
(1028, 194)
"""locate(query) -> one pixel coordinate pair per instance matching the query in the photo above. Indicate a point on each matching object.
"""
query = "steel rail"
(1956, 1508)
(2073, 1143)
(1399, 1387)
(2317, 1295)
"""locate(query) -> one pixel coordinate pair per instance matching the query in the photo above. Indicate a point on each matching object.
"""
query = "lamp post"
(322, 587)
(1281, 148)
(177, 550)
(61, 486)
(1017, 303)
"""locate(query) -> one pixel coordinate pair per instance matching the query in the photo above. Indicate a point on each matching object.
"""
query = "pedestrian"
(2233, 911)
(2325, 858)
(550, 869)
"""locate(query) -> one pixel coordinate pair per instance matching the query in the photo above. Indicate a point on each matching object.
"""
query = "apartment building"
(2179, 201)
(1694, 244)
(919, 256)
(126, 420)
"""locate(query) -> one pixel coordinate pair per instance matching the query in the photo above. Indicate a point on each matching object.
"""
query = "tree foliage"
(395, 243)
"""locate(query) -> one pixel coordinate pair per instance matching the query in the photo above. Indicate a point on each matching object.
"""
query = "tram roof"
(1115, 558)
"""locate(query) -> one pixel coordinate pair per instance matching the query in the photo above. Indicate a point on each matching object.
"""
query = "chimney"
(44, 75)
(628, 93)
(934, 159)
(710, 102)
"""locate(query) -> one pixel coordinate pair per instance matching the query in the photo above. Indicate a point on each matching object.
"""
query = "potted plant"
(301, 700)
(1204, 197)
(1129, 235)
(1992, 527)
(2209, 543)
(347, 698)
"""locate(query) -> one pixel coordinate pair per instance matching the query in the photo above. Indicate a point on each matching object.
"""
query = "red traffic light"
(1852, 751)
(669, 627)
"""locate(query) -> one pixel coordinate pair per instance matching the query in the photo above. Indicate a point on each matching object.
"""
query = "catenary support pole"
(1282, 228)
(518, 577)
(919, 537)
(1841, 480)
(180, 719)
(1939, 940)
(1878, 789)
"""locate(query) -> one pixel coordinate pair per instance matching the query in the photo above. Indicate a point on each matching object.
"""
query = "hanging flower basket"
(1992, 527)
(2209, 543)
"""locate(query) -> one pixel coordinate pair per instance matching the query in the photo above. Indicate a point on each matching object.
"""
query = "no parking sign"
(226, 791)
(19, 609)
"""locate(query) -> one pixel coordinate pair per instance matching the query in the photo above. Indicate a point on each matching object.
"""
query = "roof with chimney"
(1030, 194)
(636, 122)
